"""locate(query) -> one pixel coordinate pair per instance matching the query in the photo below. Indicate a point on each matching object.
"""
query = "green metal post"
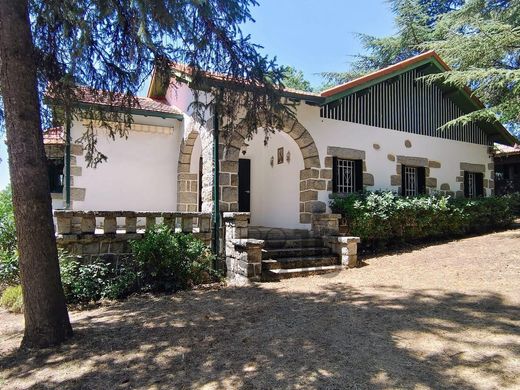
(67, 158)
(216, 185)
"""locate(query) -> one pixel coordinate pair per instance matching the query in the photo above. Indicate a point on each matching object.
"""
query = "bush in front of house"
(11, 299)
(169, 261)
(384, 218)
(162, 261)
(8, 254)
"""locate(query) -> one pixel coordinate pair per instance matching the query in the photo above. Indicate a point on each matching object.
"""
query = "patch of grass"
(12, 300)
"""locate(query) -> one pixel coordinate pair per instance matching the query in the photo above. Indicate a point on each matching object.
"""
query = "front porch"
(251, 253)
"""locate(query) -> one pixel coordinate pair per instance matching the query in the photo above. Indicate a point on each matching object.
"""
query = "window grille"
(410, 181)
(346, 174)
(472, 185)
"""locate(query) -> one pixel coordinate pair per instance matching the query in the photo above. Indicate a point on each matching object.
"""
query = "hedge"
(382, 219)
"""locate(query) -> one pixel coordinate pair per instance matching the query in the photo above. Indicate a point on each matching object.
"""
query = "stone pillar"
(243, 255)
(325, 224)
(346, 248)
(236, 225)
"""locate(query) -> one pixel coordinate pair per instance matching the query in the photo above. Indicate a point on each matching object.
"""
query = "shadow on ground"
(263, 337)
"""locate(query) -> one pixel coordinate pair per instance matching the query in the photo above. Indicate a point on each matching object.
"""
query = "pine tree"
(53, 46)
(481, 41)
(294, 78)
(415, 21)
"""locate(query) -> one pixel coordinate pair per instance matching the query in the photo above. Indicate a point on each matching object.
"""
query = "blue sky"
(311, 35)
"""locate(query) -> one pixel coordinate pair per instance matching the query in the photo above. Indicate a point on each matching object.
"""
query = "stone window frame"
(489, 184)
(414, 161)
(346, 154)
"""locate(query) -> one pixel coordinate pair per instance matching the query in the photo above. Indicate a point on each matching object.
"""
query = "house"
(507, 169)
(379, 131)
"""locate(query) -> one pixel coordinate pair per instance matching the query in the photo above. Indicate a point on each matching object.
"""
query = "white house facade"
(379, 132)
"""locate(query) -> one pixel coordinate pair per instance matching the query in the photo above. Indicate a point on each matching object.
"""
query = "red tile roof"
(53, 136)
(99, 97)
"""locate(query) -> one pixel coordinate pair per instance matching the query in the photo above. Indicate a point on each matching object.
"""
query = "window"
(56, 175)
(473, 184)
(413, 180)
(347, 175)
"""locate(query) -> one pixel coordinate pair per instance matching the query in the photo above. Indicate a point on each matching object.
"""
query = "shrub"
(9, 271)
(170, 261)
(12, 299)
(381, 218)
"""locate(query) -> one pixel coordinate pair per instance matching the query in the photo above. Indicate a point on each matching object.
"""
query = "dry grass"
(445, 316)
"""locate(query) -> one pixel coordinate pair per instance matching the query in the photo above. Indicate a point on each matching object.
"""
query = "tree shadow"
(266, 337)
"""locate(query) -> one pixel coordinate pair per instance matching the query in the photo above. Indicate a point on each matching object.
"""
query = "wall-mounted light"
(288, 157)
(272, 161)
(244, 149)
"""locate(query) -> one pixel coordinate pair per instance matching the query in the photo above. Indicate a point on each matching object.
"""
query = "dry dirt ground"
(444, 316)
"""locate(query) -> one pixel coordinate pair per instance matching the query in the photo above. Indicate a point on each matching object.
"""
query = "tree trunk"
(46, 317)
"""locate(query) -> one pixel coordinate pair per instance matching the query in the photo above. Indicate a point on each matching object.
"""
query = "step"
(294, 252)
(263, 233)
(299, 262)
(278, 274)
(294, 243)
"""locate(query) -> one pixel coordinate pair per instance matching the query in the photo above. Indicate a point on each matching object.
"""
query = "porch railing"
(69, 222)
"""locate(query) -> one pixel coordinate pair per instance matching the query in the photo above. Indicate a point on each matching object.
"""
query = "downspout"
(67, 158)
(216, 187)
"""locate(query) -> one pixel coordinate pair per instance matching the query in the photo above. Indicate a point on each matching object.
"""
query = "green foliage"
(162, 262)
(293, 78)
(12, 299)
(415, 22)
(9, 270)
(168, 261)
(9, 273)
(113, 47)
(7, 227)
(481, 41)
(383, 218)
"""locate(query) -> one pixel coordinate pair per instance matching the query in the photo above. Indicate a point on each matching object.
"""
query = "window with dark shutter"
(473, 184)
(347, 175)
(55, 170)
(421, 180)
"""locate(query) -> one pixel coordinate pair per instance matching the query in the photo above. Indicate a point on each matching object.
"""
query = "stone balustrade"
(107, 234)
(125, 222)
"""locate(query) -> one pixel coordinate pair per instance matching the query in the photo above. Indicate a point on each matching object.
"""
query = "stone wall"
(229, 152)
(107, 234)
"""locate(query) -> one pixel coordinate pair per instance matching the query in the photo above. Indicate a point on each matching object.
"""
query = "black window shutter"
(334, 174)
(479, 178)
(421, 180)
(359, 175)
(403, 181)
(466, 184)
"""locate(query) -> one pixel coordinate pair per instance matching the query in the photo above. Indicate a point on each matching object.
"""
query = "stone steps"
(290, 253)
(268, 234)
(278, 274)
(299, 262)
(294, 243)
(283, 253)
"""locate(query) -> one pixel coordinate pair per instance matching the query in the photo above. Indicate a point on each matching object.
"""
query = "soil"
(442, 316)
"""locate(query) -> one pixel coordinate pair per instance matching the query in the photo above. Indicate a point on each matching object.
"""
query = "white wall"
(140, 174)
(275, 191)
(329, 132)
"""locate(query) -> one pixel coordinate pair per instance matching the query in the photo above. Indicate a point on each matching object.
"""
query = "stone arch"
(312, 178)
(187, 182)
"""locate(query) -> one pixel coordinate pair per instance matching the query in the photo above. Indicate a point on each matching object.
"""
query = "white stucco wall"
(275, 191)
(329, 132)
(140, 174)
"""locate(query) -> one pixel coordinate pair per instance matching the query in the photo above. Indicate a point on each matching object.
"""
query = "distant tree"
(481, 41)
(294, 78)
(110, 46)
(415, 22)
